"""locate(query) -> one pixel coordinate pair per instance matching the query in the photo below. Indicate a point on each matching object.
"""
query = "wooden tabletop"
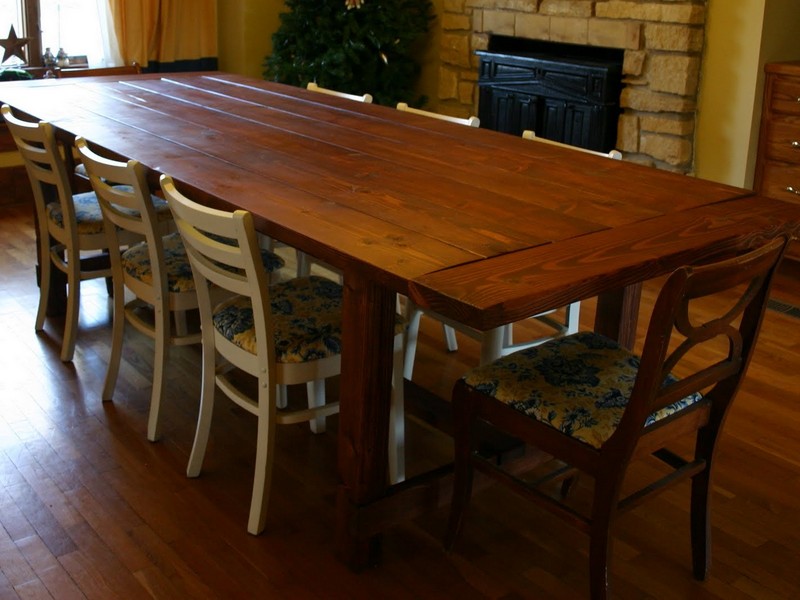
(481, 226)
(402, 193)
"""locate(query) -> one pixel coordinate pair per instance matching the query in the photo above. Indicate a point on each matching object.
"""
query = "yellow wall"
(245, 34)
(742, 35)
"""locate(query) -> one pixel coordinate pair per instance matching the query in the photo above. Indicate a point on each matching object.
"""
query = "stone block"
(466, 92)
(454, 6)
(567, 8)
(455, 50)
(500, 22)
(652, 11)
(633, 62)
(569, 30)
(675, 38)
(628, 133)
(453, 22)
(670, 124)
(637, 98)
(615, 34)
(477, 21)
(479, 41)
(527, 6)
(536, 27)
(448, 84)
(673, 73)
(672, 150)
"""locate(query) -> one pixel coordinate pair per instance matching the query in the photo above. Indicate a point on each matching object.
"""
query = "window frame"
(31, 25)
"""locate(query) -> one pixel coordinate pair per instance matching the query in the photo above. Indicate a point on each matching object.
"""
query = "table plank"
(510, 287)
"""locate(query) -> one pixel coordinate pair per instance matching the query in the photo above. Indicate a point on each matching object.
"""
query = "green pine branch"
(367, 49)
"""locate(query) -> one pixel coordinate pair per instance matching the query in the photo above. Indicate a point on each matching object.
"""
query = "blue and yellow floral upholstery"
(306, 317)
(89, 216)
(136, 263)
(579, 384)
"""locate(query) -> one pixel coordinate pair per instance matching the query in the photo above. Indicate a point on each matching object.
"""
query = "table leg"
(618, 314)
(365, 394)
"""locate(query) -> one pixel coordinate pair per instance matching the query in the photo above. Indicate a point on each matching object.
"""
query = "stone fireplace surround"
(662, 42)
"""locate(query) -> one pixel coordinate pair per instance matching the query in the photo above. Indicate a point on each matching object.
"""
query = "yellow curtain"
(165, 32)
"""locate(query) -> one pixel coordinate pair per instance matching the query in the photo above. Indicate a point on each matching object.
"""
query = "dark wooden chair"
(132, 69)
(595, 406)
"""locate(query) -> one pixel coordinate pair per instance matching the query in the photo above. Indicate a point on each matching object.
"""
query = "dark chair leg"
(599, 550)
(701, 525)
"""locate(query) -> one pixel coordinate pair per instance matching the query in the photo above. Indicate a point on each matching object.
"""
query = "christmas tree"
(353, 46)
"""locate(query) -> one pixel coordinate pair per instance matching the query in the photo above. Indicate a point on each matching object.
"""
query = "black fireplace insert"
(562, 92)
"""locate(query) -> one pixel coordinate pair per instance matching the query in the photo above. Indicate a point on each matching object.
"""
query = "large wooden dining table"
(480, 226)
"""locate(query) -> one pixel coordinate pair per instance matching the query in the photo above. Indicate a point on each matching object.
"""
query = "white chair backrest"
(470, 121)
(122, 192)
(233, 264)
(315, 88)
(44, 161)
(530, 135)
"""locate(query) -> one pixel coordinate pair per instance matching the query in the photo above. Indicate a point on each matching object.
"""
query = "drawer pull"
(792, 190)
(795, 144)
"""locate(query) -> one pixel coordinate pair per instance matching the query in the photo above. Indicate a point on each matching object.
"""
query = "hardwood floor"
(90, 509)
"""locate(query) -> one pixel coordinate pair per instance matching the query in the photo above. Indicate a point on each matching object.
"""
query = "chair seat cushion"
(306, 316)
(579, 384)
(87, 214)
(136, 264)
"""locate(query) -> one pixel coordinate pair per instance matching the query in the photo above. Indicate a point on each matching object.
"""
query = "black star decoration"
(13, 45)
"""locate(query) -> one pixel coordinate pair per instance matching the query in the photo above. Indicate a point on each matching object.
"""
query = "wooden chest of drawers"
(778, 162)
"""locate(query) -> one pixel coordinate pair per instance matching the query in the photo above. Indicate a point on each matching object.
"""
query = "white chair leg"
(207, 390)
(45, 272)
(73, 305)
(413, 317)
(303, 264)
(508, 335)
(492, 345)
(397, 424)
(450, 337)
(281, 396)
(117, 336)
(573, 318)
(161, 343)
(262, 478)
(316, 397)
(181, 327)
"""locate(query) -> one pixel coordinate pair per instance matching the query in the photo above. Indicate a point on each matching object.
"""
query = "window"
(74, 25)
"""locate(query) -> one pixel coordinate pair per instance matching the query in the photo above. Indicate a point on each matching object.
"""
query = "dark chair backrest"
(673, 334)
(132, 69)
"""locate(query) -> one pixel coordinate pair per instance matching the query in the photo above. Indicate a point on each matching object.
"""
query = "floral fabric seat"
(306, 318)
(89, 216)
(136, 263)
(579, 384)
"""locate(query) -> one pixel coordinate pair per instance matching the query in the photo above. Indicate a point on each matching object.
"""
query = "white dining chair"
(313, 87)
(528, 134)
(472, 121)
(283, 334)
(68, 224)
